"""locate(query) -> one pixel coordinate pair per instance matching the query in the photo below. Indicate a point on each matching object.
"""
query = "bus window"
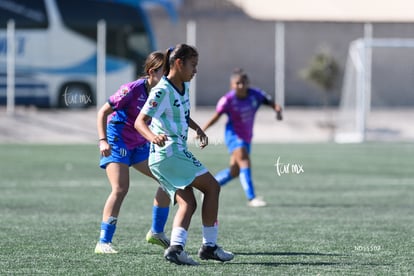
(56, 50)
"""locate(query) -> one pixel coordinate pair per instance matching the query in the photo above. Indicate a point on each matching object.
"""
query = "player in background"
(178, 171)
(121, 147)
(240, 105)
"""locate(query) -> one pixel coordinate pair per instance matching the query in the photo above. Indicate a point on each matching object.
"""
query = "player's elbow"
(139, 123)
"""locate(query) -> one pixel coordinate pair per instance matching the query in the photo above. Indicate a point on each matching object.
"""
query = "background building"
(227, 38)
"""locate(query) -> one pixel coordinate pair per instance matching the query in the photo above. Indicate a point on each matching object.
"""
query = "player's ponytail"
(167, 60)
(181, 51)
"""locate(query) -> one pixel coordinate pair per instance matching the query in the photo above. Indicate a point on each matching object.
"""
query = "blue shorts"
(120, 153)
(234, 142)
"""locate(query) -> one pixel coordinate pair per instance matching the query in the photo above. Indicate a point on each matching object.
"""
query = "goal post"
(355, 102)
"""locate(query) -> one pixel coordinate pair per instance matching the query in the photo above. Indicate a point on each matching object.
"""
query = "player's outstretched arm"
(277, 108)
(212, 121)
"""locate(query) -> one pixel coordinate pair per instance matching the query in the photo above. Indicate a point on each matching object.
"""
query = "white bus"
(56, 49)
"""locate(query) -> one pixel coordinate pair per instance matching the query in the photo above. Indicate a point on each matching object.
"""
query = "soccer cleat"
(214, 253)
(104, 248)
(158, 239)
(257, 202)
(177, 255)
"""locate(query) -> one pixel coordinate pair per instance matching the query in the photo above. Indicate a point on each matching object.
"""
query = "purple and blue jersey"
(241, 112)
(127, 102)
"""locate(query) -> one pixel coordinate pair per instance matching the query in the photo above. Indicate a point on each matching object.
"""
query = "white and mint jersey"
(170, 112)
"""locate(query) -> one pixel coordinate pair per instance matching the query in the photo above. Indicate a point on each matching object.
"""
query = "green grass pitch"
(333, 210)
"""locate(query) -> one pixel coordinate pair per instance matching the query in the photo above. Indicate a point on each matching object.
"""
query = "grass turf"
(333, 210)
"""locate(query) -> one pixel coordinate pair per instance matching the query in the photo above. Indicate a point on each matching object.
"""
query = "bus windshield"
(28, 15)
(126, 33)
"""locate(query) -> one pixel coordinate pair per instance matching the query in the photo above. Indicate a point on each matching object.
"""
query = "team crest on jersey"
(152, 103)
(124, 91)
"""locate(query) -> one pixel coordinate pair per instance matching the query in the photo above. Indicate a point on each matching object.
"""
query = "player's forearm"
(200, 133)
(142, 127)
(101, 128)
(211, 122)
(193, 125)
(101, 120)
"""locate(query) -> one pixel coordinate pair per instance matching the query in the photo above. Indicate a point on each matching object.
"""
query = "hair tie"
(171, 49)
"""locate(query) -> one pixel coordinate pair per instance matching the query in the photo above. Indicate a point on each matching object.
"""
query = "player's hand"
(202, 137)
(159, 140)
(279, 116)
(278, 110)
(104, 148)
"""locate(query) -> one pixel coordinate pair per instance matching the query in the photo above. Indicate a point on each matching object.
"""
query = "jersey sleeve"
(156, 103)
(222, 105)
(265, 98)
(121, 98)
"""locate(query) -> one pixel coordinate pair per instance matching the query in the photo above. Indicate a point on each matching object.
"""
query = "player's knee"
(214, 189)
(120, 192)
(190, 206)
(234, 171)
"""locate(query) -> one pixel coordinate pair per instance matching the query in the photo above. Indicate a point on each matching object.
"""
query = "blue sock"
(159, 218)
(223, 177)
(247, 182)
(107, 232)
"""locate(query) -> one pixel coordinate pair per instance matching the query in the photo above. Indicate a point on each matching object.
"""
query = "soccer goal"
(390, 62)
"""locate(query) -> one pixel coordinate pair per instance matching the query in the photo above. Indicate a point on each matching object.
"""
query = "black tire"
(75, 95)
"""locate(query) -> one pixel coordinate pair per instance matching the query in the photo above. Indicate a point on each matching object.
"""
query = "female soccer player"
(240, 104)
(175, 167)
(121, 146)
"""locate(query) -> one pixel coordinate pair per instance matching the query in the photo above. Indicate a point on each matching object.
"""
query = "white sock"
(210, 235)
(178, 236)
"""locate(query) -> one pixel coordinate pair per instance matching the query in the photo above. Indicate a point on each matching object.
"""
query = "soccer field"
(333, 210)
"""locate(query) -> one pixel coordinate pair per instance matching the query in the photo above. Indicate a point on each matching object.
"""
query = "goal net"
(378, 81)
